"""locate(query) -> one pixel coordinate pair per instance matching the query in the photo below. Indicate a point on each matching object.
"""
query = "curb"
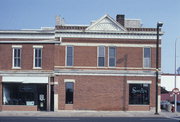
(87, 114)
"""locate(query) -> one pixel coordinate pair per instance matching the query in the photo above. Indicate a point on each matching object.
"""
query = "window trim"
(98, 56)
(37, 47)
(149, 59)
(72, 56)
(13, 48)
(139, 81)
(109, 56)
(69, 80)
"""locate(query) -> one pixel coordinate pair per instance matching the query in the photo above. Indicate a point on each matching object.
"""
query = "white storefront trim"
(93, 74)
(11, 79)
(56, 102)
(139, 82)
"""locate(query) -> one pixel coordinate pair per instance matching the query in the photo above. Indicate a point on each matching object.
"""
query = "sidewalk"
(89, 114)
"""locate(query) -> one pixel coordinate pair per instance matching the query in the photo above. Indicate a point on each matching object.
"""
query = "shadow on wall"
(121, 61)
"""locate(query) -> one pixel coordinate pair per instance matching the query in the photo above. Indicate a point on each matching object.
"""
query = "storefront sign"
(29, 102)
(141, 90)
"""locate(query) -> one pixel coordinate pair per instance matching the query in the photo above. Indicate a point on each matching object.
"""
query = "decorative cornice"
(106, 35)
(108, 44)
(30, 42)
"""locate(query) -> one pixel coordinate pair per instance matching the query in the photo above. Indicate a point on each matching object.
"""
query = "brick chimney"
(58, 20)
(120, 18)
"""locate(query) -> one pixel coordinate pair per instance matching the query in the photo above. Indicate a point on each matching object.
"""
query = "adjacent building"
(168, 83)
(107, 65)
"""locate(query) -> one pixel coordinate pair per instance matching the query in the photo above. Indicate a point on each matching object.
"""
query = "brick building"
(107, 65)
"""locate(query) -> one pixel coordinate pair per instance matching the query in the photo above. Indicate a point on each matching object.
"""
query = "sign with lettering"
(141, 90)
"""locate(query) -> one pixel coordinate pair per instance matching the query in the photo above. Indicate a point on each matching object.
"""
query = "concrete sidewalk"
(89, 114)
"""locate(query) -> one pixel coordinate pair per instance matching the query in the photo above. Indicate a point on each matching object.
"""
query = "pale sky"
(34, 14)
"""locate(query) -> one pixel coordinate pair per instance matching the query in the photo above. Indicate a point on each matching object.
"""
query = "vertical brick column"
(125, 93)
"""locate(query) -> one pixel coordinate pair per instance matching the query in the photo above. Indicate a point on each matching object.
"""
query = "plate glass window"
(139, 94)
(16, 57)
(38, 57)
(112, 56)
(69, 92)
(147, 57)
(101, 56)
(70, 56)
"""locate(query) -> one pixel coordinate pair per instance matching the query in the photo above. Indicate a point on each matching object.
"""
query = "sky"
(34, 14)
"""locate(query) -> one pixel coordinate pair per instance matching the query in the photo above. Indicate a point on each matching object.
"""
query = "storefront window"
(19, 94)
(139, 94)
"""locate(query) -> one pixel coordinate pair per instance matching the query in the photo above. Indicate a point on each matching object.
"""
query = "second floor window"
(101, 56)
(16, 57)
(69, 56)
(37, 57)
(112, 56)
(147, 57)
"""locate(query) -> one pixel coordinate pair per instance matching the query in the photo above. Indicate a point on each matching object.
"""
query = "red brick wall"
(85, 56)
(104, 40)
(153, 57)
(18, 108)
(59, 55)
(27, 56)
(129, 57)
(5, 56)
(101, 92)
(138, 108)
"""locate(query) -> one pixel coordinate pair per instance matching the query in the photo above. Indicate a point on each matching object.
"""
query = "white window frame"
(72, 56)
(13, 58)
(139, 81)
(34, 49)
(69, 80)
(115, 56)
(104, 56)
(144, 58)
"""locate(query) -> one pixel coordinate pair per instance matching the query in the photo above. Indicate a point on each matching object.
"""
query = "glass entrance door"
(42, 97)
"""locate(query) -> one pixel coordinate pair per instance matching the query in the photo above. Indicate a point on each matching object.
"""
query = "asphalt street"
(88, 119)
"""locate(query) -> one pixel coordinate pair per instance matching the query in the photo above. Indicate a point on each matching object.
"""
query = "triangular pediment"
(106, 23)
